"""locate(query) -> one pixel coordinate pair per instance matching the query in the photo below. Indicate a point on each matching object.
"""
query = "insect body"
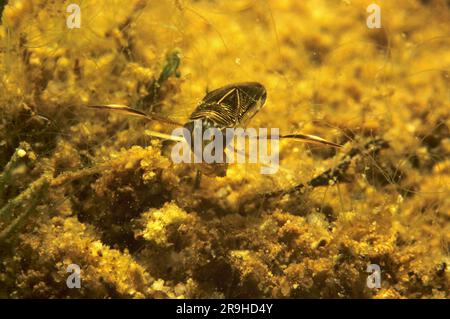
(230, 106)
(224, 108)
(234, 105)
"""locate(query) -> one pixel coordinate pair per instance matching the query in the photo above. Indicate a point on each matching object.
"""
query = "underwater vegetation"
(92, 188)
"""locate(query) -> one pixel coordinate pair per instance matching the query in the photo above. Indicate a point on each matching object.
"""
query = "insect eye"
(259, 92)
(263, 97)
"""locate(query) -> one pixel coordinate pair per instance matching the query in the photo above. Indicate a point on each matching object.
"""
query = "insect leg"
(312, 139)
(198, 179)
(164, 136)
(126, 110)
(304, 138)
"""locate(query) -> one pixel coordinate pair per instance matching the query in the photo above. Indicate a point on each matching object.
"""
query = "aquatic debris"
(15, 212)
(337, 173)
(170, 68)
(328, 177)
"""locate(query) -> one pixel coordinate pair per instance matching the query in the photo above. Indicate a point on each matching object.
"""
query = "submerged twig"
(27, 200)
(6, 174)
(332, 175)
(68, 177)
(15, 212)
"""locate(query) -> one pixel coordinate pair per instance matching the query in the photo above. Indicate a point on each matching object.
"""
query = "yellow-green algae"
(92, 189)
